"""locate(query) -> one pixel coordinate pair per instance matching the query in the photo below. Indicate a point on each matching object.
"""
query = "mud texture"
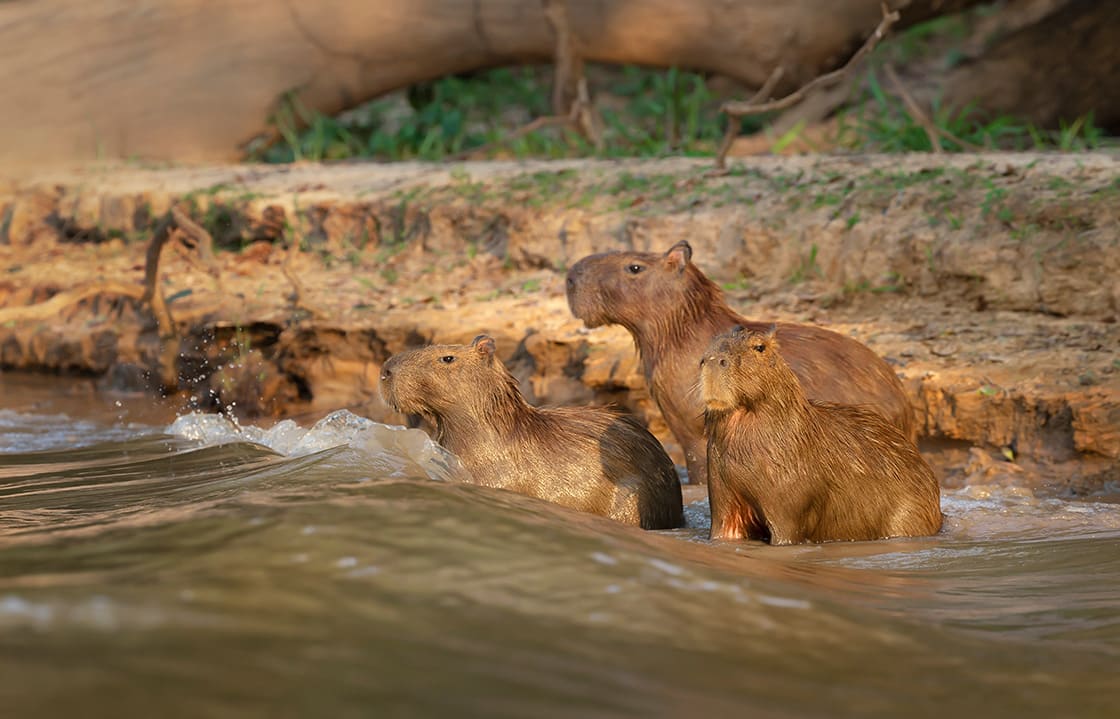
(989, 282)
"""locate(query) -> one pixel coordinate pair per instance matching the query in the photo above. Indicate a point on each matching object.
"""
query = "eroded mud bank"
(990, 282)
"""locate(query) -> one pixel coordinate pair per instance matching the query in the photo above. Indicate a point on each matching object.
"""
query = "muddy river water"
(153, 565)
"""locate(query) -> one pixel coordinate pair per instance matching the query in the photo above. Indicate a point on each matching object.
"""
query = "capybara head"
(628, 288)
(432, 381)
(740, 368)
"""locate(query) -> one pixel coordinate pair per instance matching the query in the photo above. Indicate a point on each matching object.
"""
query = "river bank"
(988, 281)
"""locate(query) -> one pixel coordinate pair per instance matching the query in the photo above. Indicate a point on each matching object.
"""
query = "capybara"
(587, 458)
(791, 470)
(673, 311)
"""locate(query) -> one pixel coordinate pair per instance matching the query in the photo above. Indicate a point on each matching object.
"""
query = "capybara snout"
(587, 458)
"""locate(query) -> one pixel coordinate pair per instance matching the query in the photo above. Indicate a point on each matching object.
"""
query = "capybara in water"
(673, 311)
(792, 470)
(587, 458)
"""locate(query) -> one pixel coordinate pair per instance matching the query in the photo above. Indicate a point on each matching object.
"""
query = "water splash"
(391, 451)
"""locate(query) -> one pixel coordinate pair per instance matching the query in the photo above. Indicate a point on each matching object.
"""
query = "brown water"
(200, 569)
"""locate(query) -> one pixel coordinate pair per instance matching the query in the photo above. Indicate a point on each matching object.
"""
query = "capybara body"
(790, 470)
(587, 458)
(673, 311)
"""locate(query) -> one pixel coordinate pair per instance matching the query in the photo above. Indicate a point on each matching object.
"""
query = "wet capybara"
(587, 458)
(673, 311)
(791, 470)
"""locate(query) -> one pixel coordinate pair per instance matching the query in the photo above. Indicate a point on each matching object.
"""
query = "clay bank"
(988, 282)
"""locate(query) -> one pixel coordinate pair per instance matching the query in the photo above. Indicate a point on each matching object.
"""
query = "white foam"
(393, 451)
(1014, 512)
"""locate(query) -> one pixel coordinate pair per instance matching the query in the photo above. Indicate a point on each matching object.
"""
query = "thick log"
(1056, 69)
(193, 80)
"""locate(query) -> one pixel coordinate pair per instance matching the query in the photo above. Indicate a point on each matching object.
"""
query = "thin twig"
(732, 130)
(202, 241)
(743, 109)
(569, 90)
(538, 124)
(933, 132)
(193, 236)
(174, 225)
(571, 100)
(913, 110)
(736, 110)
(152, 296)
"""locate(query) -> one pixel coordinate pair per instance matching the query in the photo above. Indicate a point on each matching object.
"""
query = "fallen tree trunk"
(1056, 69)
(197, 80)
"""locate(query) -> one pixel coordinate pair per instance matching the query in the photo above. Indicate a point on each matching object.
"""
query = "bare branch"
(933, 132)
(566, 58)
(538, 124)
(732, 130)
(742, 109)
(152, 296)
(571, 100)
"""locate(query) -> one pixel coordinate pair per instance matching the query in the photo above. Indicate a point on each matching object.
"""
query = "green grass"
(644, 113)
(881, 124)
(807, 268)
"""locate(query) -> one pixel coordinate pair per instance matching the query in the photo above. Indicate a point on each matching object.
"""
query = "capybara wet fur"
(673, 311)
(790, 470)
(587, 458)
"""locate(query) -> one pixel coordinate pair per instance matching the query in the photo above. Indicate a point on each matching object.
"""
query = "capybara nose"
(387, 369)
(573, 277)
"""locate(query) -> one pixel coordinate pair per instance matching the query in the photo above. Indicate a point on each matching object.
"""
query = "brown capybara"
(587, 458)
(673, 311)
(791, 470)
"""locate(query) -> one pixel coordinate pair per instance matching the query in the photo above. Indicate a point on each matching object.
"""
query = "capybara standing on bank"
(673, 311)
(789, 470)
(586, 458)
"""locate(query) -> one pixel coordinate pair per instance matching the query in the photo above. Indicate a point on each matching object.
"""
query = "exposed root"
(175, 227)
(757, 106)
(570, 95)
(732, 130)
(61, 302)
(571, 100)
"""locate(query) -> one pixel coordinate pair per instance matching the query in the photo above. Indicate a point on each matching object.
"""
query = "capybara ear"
(484, 345)
(771, 341)
(679, 255)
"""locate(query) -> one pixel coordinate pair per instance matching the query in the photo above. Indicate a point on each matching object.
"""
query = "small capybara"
(791, 470)
(673, 311)
(587, 458)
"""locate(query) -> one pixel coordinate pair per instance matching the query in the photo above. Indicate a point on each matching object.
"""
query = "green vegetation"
(882, 124)
(644, 113)
(807, 268)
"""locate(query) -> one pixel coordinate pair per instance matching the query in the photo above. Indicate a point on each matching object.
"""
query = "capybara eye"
(634, 269)
(722, 362)
(447, 359)
(759, 348)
